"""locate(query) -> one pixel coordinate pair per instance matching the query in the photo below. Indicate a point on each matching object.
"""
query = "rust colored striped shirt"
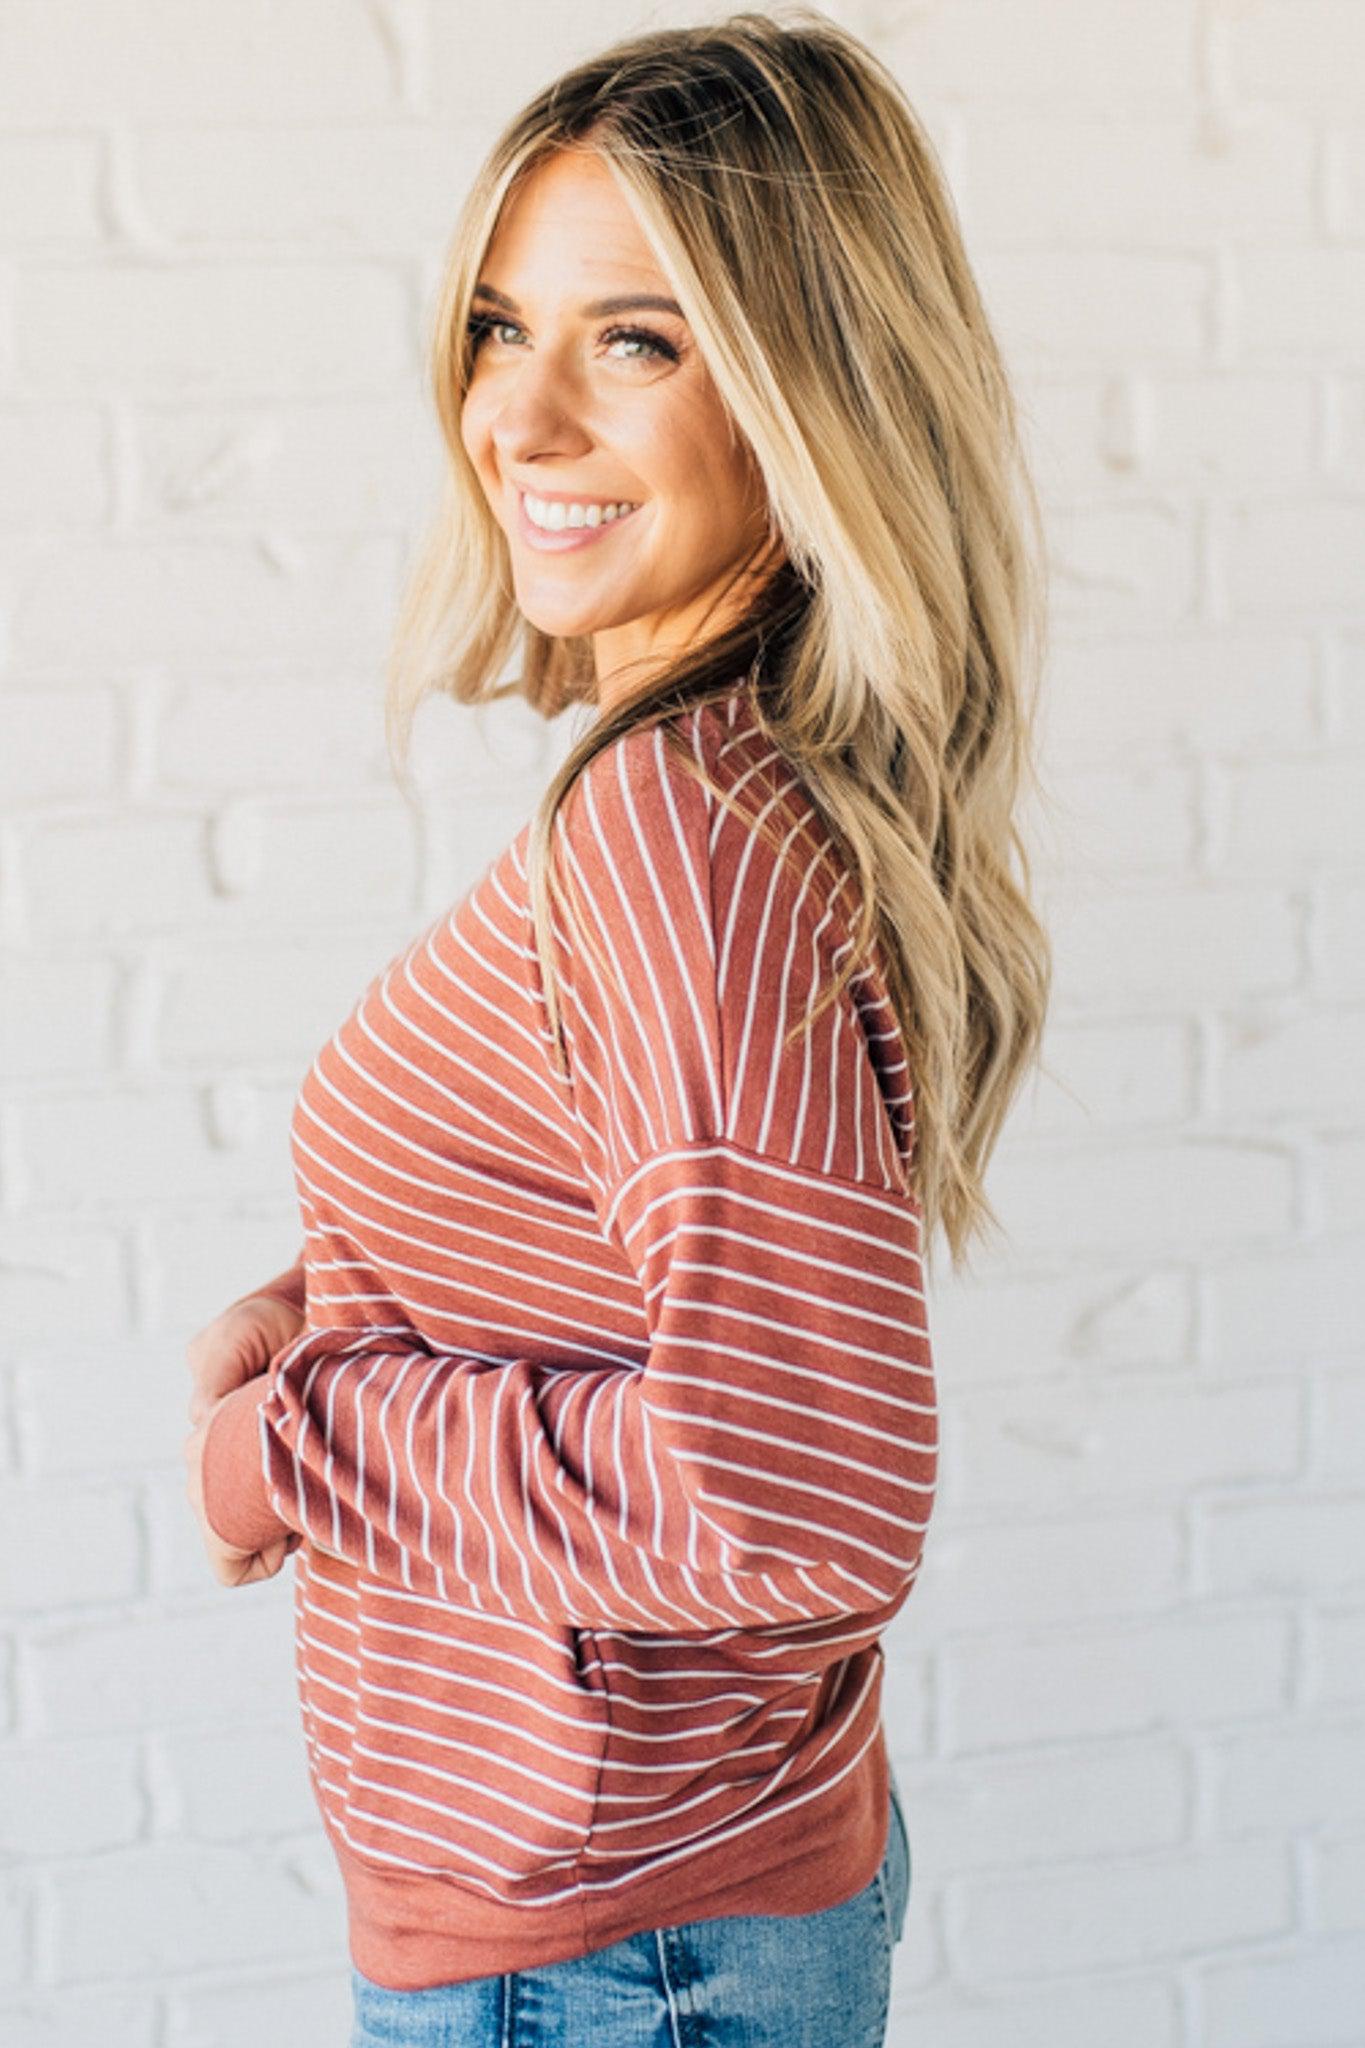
(610, 1431)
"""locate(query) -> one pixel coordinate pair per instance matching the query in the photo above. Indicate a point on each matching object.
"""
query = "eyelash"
(481, 324)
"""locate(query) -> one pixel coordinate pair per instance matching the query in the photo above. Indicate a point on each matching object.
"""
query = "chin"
(561, 629)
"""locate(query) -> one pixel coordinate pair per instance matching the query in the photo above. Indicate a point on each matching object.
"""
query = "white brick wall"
(1127, 1703)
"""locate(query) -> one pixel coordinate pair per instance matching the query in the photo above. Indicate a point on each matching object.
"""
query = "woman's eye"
(481, 324)
(654, 343)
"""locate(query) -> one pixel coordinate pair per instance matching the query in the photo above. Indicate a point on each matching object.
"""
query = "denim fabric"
(813, 1980)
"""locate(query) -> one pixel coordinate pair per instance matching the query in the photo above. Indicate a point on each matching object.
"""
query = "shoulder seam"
(874, 1191)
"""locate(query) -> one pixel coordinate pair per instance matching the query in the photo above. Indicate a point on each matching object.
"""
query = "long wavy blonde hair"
(795, 203)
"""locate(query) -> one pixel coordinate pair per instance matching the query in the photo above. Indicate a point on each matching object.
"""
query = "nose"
(537, 412)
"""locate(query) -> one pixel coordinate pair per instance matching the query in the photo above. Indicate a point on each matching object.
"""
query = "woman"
(600, 1406)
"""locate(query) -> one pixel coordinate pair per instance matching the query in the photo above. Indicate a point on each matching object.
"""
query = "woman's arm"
(773, 1459)
(772, 1456)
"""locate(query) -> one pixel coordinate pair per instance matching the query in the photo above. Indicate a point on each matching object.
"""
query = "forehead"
(567, 226)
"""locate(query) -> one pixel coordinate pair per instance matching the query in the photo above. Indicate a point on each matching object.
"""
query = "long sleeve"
(770, 1459)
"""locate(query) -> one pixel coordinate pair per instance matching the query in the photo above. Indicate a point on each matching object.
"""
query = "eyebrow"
(596, 309)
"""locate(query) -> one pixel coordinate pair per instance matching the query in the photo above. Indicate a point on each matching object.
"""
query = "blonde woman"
(599, 1411)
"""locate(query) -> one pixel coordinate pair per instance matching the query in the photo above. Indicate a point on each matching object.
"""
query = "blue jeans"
(811, 1980)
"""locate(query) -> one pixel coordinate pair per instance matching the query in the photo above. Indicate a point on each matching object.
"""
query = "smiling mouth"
(553, 514)
(565, 534)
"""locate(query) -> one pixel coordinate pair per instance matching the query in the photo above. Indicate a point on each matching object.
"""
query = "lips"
(565, 538)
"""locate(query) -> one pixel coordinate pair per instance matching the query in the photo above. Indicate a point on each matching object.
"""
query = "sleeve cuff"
(237, 1501)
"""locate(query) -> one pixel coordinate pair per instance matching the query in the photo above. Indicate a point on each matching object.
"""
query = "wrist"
(237, 1503)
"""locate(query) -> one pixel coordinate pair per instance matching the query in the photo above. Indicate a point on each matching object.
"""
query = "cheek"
(697, 465)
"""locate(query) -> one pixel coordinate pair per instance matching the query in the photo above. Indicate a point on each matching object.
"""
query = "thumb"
(271, 1559)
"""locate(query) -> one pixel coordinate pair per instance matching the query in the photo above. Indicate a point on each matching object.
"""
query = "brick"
(1120, 566)
(77, 1548)
(1167, 1197)
(72, 2019)
(155, 603)
(1032, 1573)
(211, 328)
(108, 878)
(1308, 1300)
(1339, 1163)
(1308, 51)
(1345, 421)
(1239, 428)
(1035, 1807)
(56, 1016)
(1285, 814)
(1290, 1543)
(17, 1915)
(213, 1008)
(1275, 1781)
(1116, 179)
(1057, 2015)
(242, 863)
(90, 1410)
(1347, 679)
(278, 2012)
(1122, 1913)
(283, 734)
(59, 1274)
(1110, 1316)
(1112, 1076)
(69, 1799)
(155, 1144)
(1286, 560)
(1123, 821)
(1143, 948)
(1272, 1065)
(469, 48)
(168, 1910)
(1140, 698)
(1282, 2001)
(1090, 431)
(61, 62)
(1344, 179)
(60, 452)
(1109, 1678)
(49, 191)
(1339, 1885)
(321, 463)
(223, 1660)
(199, 1263)
(1055, 307)
(1338, 949)
(1073, 1446)
(382, 187)
(235, 1785)
(57, 744)
(1297, 303)
(973, 48)
(1337, 1432)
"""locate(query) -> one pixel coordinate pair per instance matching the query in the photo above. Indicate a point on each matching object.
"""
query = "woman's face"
(572, 401)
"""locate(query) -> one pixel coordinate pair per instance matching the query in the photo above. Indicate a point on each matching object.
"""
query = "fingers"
(236, 1346)
(244, 1568)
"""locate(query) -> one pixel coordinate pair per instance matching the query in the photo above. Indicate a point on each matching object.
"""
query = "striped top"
(610, 1431)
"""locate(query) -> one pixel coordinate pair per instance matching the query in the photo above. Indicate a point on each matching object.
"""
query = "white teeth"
(554, 514)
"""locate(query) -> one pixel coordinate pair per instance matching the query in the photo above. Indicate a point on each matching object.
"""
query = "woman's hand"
(237, 1345)
(231, 1567)
(233, 1348)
